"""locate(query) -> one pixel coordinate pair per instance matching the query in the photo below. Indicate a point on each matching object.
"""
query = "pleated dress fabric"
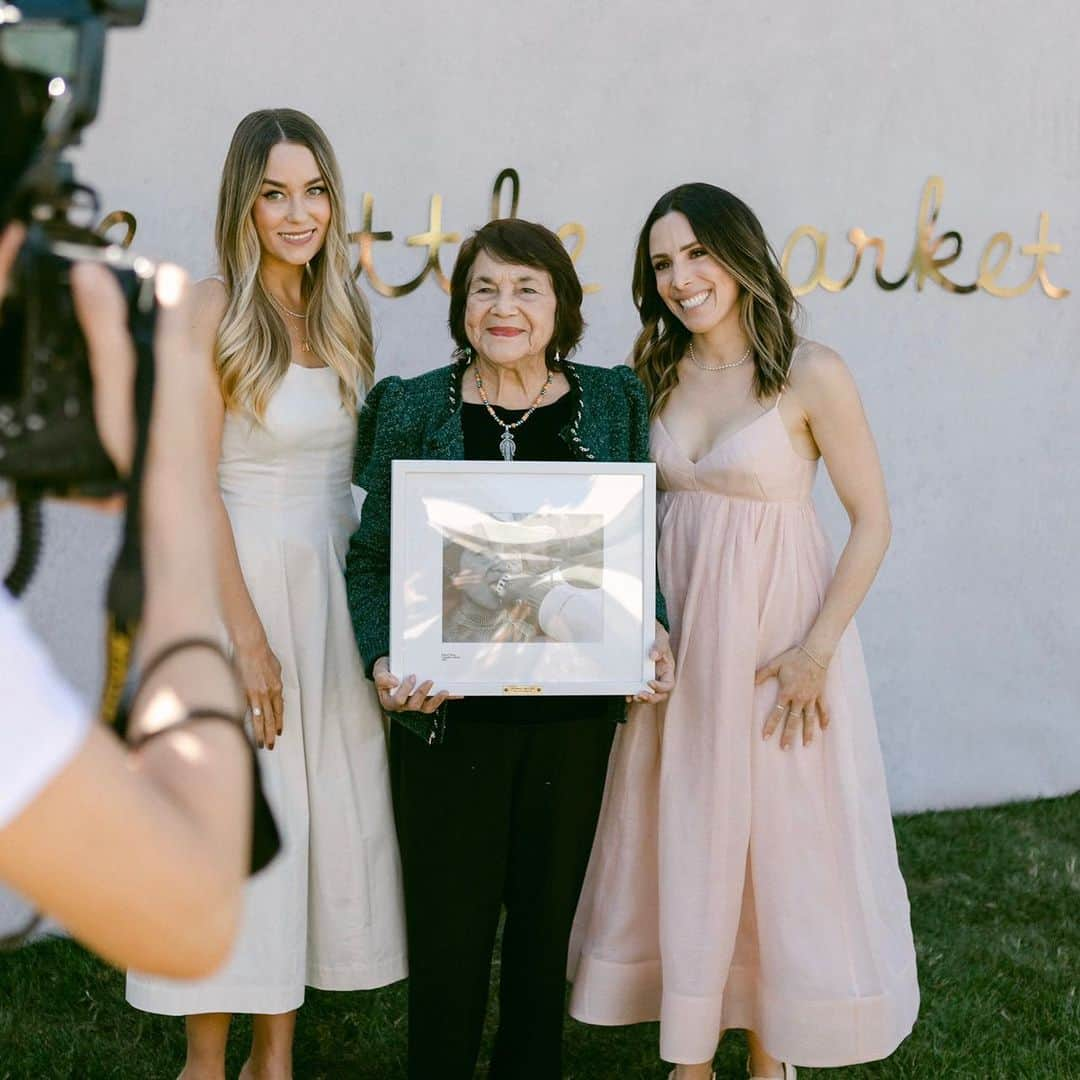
(328, 912)
(732, 884)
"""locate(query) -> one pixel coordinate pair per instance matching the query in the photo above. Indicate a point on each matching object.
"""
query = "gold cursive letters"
(929, 259)
(817, 275)
(506, 176)
(366, 238)
(433, 240)
(930, 256)
(1040, 249)
(577, 231)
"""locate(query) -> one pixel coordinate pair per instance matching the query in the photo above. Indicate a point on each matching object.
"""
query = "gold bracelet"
(803, 649)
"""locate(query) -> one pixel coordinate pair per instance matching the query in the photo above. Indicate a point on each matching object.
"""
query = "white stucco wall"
(833, 114)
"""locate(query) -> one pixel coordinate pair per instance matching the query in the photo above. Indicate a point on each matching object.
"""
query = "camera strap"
(124, 596)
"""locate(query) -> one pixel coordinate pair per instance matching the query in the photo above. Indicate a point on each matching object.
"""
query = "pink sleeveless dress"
(732, 884)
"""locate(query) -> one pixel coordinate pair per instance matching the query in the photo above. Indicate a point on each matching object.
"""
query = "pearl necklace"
(507, 446)
(718, 367)
(305, 344)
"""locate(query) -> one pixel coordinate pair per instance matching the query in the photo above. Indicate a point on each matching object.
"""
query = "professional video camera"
(51, 62)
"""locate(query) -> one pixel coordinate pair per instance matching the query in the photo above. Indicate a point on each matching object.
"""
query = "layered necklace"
(718, 367)
(507, 445)
(305, 344)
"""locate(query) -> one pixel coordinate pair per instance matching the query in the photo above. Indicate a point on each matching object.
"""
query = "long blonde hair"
(253, 348)
(729, 231)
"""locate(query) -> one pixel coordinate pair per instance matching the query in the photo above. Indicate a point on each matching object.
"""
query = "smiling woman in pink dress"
(744, 873)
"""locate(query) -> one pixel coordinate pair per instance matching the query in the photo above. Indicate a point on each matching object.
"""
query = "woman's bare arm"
(260, 671)
(143, 857)
(824, 393)
(824, 387)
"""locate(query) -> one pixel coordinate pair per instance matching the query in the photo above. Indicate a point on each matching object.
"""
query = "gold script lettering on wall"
(433, 240)
(507, 176)
(577, 231)
(435, 237)
(931, 255)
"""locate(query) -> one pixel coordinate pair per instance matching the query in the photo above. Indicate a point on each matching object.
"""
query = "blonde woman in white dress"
(290, 338)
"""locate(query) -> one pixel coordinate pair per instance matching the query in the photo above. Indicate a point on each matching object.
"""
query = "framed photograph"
(524, 577)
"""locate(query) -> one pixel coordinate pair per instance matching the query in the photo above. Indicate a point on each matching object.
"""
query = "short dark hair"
(511, 240)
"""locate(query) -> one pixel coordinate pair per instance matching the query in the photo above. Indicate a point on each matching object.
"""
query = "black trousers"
(498, 815)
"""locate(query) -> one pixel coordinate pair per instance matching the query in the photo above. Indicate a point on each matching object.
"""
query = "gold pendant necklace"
(305, 345)
(507, 445)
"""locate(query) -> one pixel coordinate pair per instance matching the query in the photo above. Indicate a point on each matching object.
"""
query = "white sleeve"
(568, 613)
(43, 723)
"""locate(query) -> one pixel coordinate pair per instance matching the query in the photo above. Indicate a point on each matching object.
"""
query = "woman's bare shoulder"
(209, 297)
(816, 367)
(812, 357)
(819, 379)
(209, 302)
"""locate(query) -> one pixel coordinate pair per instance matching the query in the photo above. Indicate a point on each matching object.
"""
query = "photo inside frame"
(524, 577)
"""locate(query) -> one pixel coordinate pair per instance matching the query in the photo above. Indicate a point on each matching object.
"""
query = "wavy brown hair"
(253, 350)
(730, 232)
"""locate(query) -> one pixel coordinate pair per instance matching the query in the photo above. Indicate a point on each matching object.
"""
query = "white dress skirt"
(328, 911)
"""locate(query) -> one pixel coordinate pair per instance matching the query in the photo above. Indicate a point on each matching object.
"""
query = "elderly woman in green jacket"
(497, 799)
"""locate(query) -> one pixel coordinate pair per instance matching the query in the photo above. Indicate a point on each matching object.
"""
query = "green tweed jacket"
(420, 418)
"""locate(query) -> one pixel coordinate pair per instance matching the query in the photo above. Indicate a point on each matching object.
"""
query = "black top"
(536, 440)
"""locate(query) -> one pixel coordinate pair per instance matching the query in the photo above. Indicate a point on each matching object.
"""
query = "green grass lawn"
(995, 897)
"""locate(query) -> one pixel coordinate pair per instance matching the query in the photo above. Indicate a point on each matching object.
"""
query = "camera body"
(51, 61)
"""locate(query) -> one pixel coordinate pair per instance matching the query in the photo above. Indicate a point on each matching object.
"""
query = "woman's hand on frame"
(662, 684)
(404, 695)
(800, 700)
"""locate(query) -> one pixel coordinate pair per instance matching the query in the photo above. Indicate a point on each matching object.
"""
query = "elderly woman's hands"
(800, 702)
(403, 695)
(662, 685)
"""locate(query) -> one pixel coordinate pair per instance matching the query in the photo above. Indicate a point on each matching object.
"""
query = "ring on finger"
(781, 708)
(256, 711)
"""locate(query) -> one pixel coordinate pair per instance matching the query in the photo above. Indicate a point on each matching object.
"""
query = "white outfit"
(569, 613)
(328, 912)
(43, 724)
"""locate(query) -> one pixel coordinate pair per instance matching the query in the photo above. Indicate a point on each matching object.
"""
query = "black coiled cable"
(31, 528)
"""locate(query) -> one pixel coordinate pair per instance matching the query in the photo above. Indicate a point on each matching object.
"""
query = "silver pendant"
(507, 446)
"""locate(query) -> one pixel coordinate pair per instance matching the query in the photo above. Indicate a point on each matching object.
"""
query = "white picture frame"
(523, 578)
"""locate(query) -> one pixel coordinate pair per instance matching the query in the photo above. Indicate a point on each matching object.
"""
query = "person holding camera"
(288, 336)
(141, 855)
